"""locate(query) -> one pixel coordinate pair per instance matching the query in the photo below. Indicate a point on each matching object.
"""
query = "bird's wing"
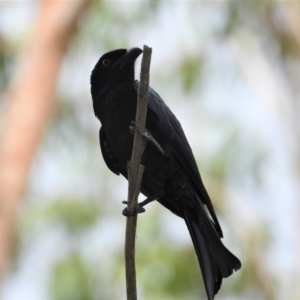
(109, 158)
(170, 128)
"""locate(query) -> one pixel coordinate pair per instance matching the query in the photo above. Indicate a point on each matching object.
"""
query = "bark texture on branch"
(135, 173)
(30, 102)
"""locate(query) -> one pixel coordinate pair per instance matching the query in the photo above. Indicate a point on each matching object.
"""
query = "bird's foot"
(148, 137)
(139, 209)
(140, 206)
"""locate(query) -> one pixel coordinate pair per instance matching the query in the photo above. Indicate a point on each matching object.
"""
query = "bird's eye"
(106, 63)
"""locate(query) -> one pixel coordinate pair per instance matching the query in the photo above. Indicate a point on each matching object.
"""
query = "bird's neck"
(111, 98)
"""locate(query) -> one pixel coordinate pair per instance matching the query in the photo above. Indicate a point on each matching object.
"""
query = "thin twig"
(135, 173)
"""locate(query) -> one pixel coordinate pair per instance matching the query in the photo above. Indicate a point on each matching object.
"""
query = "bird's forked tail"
(216, 261)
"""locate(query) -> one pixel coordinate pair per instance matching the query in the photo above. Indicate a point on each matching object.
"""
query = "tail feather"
(212, 280)
(216, 261)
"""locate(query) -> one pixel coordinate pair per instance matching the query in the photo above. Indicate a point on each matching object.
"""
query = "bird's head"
(115, 66)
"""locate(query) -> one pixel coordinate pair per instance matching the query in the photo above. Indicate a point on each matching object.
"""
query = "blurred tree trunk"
(29, 105)
(292, 19)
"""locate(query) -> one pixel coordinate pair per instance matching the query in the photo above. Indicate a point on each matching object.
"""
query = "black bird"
(171, 174)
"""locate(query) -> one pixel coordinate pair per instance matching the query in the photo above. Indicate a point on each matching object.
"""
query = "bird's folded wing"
(172, 131)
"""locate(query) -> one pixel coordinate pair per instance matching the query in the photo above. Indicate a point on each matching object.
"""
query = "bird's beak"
(130, 56)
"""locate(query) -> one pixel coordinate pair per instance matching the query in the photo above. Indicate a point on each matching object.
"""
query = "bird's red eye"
(106, 63)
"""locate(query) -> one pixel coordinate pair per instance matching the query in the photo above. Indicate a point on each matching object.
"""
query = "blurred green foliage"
(5, 65)
(165, 271)
(74, 214)
(226, 160)
(71, 279)
(190, 71)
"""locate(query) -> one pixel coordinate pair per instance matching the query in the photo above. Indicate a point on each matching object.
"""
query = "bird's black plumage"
(172, 178)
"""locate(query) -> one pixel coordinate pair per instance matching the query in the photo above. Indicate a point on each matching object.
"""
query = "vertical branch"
(135, 173)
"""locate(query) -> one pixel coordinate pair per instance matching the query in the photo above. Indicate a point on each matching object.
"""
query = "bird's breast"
(117, 112)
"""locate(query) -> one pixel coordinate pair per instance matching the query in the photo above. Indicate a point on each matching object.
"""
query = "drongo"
(171, 174)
